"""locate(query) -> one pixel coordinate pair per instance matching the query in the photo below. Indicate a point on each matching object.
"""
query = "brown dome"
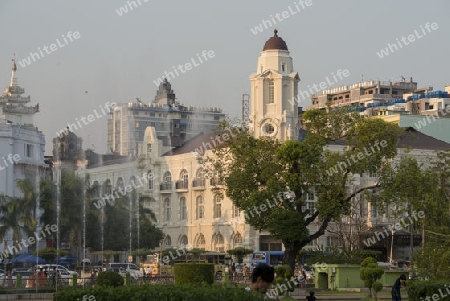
(275, 43)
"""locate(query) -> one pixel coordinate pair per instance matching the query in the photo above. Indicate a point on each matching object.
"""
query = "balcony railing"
(21, 109)
(181, 185)
(166, 187)
(198, 183)
(216, 181)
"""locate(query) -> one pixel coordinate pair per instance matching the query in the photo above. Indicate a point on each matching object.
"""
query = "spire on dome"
(14, 88)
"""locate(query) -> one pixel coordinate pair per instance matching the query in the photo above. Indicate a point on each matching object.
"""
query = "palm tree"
(17, 213)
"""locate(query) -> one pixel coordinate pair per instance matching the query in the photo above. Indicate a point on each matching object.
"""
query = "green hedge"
(419, 290)
(109, 278)
(166, 292)
(194, 272)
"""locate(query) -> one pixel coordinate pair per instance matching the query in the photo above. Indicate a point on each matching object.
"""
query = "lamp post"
(412, 243)
(392, 234)
(160, 258)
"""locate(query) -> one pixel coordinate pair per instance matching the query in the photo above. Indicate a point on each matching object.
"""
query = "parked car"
(60, 268)
(130, 268)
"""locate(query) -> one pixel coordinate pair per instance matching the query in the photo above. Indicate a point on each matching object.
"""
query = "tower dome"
(275, 43)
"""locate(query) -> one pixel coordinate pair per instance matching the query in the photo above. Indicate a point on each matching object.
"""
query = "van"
(127, 267)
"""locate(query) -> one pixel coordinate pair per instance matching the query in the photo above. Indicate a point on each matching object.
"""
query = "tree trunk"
(290, 253)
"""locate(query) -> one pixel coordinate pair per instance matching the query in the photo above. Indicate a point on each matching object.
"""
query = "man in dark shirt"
(396, 296)
(311, 296)
(262, 276)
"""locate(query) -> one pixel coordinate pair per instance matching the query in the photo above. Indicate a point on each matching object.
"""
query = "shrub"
(420, 290)
(370, 272)
(284, 282)
(190, 292)
(195, 273)
(109, 278)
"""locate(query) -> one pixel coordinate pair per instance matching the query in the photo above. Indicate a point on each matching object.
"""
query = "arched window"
(199, 178)
(107, 187)
(184, 178)
(200, 207)
(167, 210)
(150, 179)
(96, 188)
(217, 210)
(237, 241)
(120, 185)
(271, 91)
(201, 242)
(167, 181)
(219, 243)
(167, 241)
(183, 241)
(183, 209)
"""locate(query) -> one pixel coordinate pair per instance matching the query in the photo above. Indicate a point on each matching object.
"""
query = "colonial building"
(190, 205)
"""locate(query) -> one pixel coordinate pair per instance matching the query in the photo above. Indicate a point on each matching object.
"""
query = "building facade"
(190, 204)
(22, 145)
(174, 123)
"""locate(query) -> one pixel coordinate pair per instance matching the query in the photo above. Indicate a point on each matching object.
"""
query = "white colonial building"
(189, 209)
(190, 206)
(21, 143)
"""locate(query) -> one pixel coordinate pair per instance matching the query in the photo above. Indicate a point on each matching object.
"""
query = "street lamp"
(160, 257)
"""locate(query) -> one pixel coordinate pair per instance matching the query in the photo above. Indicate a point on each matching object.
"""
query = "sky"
(115, 56)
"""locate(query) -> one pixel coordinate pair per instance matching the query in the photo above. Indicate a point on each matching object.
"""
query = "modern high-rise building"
(174, 123)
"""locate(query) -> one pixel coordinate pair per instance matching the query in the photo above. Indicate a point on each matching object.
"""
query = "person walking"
(396, 295)
(311, 296)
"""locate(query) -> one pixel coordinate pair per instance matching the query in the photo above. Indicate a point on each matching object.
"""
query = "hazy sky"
(117, 58)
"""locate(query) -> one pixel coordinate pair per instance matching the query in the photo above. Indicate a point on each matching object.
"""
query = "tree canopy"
(270, 180)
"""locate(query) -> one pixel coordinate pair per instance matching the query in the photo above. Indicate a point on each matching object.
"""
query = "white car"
(60, 268)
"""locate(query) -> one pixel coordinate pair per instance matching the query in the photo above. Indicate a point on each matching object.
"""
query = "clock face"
(269, 129)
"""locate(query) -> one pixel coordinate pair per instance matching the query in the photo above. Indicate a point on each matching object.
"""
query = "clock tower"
(274, 87)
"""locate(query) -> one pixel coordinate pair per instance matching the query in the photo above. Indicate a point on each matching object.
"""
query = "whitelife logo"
(90, 118)
(53, 47)
(219, 139)
(299, 6)
(391, 48)
(187, 66)
(124, 9)
(378, 236)
(316, 88)
(12, 159)
(343, 165)
(31, 240)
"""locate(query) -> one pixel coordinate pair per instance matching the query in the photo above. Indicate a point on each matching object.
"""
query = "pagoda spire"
(14, 82)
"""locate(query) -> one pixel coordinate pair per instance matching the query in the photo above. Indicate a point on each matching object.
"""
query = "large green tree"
(262, 171)
(426, 188)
